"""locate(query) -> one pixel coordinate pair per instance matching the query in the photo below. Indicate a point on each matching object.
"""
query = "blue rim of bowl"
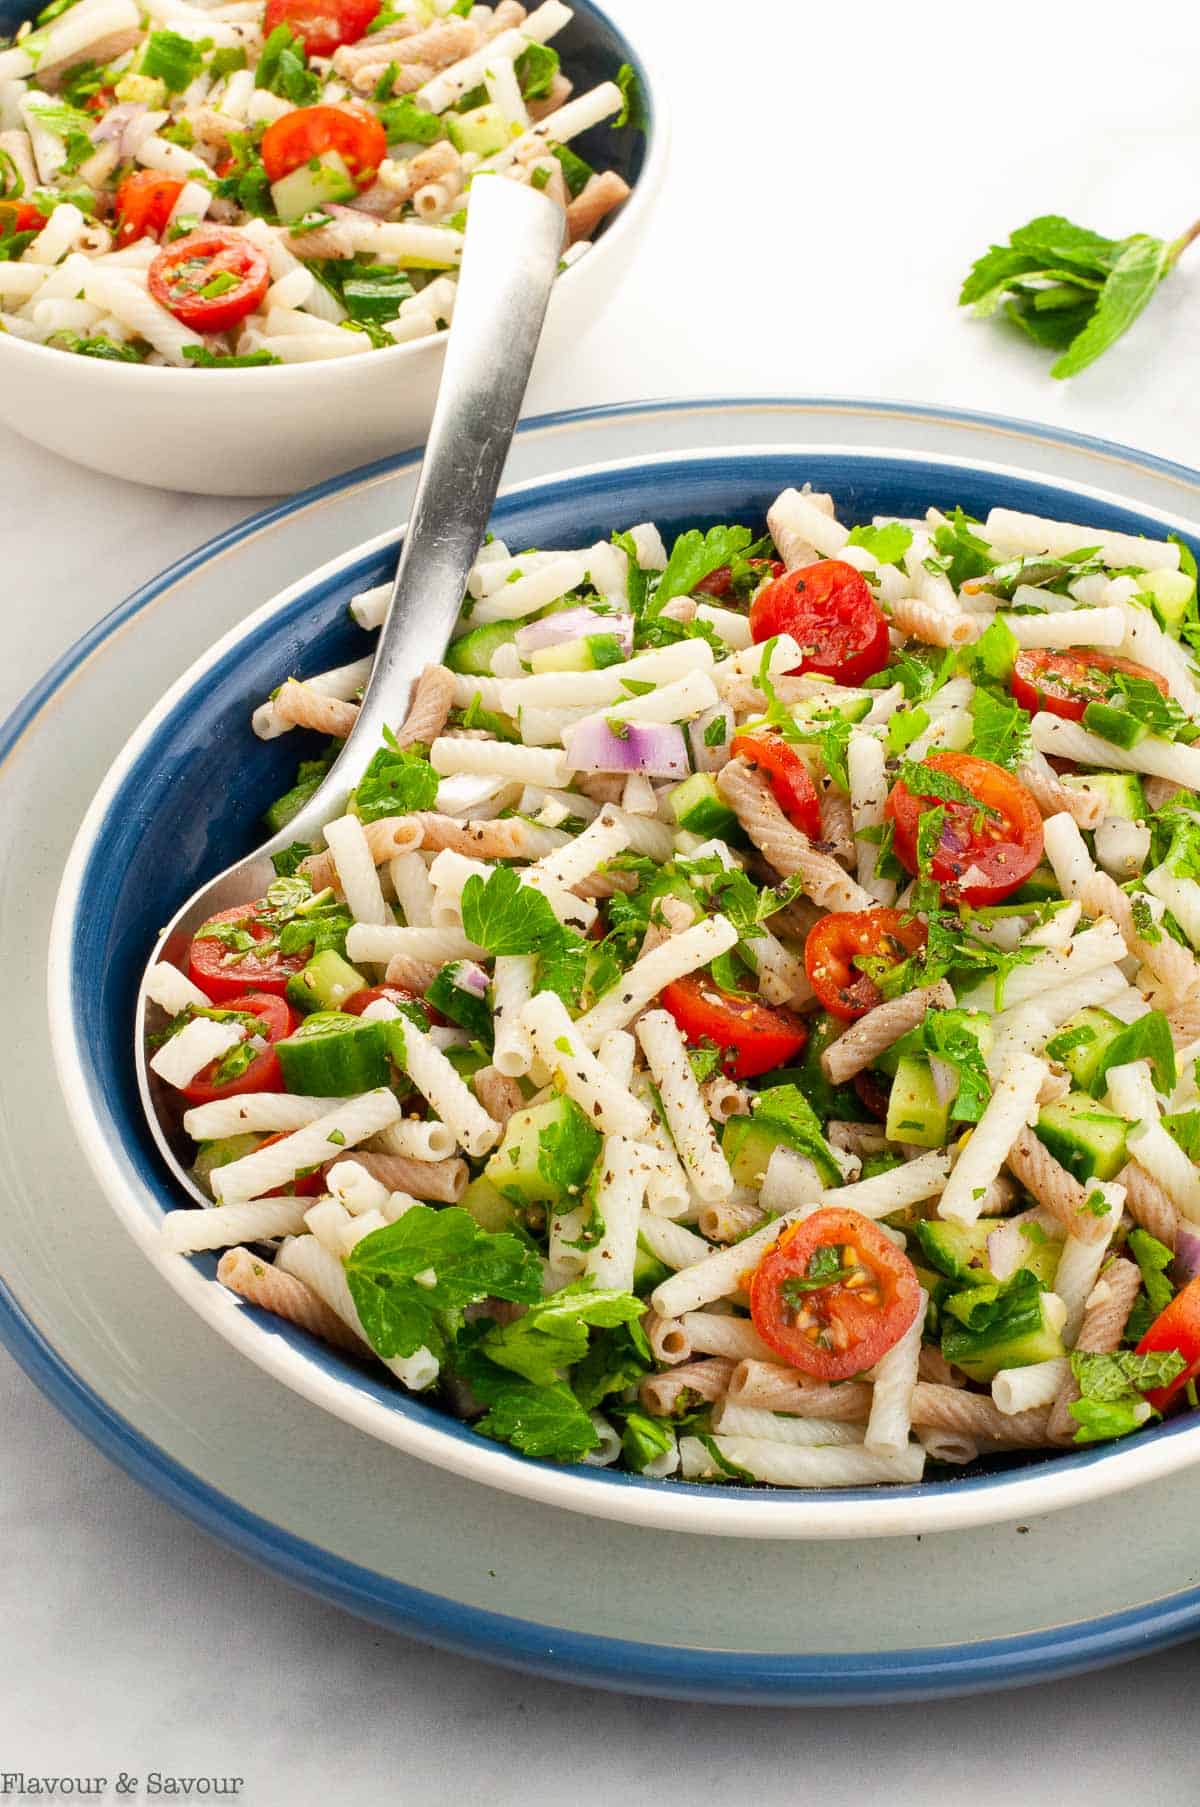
(704, 1674)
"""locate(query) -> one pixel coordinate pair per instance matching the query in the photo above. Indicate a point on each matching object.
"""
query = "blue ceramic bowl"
(184, 800)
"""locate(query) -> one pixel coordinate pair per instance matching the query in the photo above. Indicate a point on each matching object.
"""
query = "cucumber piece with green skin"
(490, 1209)
(1040, 887)
(915, 1111)
(546, 1156)
(960, 1251)
(591, 653)
(648, 1270)
(308, 189)
(483, 130)
(325, 983)
(1097, 1030)
(471, 654)
(219, 1152)
(1172, 592)
(280, 813)
(698, 806)
(1088, 1140)
(818, 709)
(332, 1055)
(1116, 726)
(460, 1004)
(1028, 1336)
(1122, 792)
(748, 1144)
(976, 1022)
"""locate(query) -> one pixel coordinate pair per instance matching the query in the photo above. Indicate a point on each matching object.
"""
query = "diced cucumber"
(976, 1022)
(960, 1250)
(1082, 1043)
(1028, 1336)
(472, 652)
(748, 1144)
(698, 806)
(648, 1270)
(915, 1112)
(280, 813)
(219, 1153)
(1089, 1141)
(1122, 792)
(1040, 887)
(332, 1055)
(309, 188)
(592, 652)
(490, 1209)
(546, 1156)
(1114, 725)
(1172, 592)
(482, 130)
(325, 983)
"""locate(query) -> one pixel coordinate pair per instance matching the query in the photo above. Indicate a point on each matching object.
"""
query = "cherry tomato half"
(829, 610)
(225, 973)
(209, 279)
(980, 857)
(1176, 1327)
(356, 136)
(833, 945)
(143, 205)
(264, 1073)
(322, 25)
(754, 1038)
(20, 216)
(795, 792)
(832, 1295)
(1064, 683)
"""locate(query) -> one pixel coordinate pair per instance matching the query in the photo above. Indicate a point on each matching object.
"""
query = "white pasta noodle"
(1011, 1106)
(172, 990)
(891, 1396)
(788, 1465)
(1159, 758)
(530, 765)
(512, 988)
(714, 1333)
(1090, 951)
(619, 1196)
(1080, 1263)
(802, 1433)
(356, 871)
(557, 1044)
(687, 1118)
(196, 1044)
(186, 1232)
(347, 1123)
(371, 942)
(1132, 1095)
(270, 1112)
(1018, 534)
(865, 766)
(1074, 627)
(306, 1259)
(414, 893)
(444, 1088)
(671, 1243)
(591, 690)
(671, 960)
(1024, 1389)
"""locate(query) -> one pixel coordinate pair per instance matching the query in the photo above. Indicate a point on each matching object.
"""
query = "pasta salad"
(746, 1023)
(216, 183)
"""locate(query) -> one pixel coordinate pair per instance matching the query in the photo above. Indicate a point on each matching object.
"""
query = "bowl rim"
(642, 199)
(717, 1510)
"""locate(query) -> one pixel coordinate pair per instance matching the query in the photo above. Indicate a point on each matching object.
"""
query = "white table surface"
(835, 171)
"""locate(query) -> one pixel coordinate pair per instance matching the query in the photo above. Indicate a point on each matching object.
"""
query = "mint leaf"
(645, 1440)
(693, 556)
(1099, 1420)
(633, 109)
(459, 1264)
(887, 545)
(1148, 1038)
(553, 1334)
(1124, 1373)
(1001, 730)
(1134, 277)
(396, 782)
(546, 1422)
(616, 1359)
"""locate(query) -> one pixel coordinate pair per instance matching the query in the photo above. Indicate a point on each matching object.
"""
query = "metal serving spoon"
(510, 258)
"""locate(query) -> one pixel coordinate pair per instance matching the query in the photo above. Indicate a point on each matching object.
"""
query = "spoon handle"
(513, 242)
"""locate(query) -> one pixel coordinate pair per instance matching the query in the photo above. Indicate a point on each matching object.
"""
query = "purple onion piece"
(471, 977)
(573, 624)
(1186, 1264)
(656, 749)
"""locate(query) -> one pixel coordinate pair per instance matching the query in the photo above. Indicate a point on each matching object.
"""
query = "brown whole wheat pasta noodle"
(443, 1181)
(778, 1389)
(856, 1138)
(837, 826)
(662, 1394)
(1053, 796)
(1185, 1022)
(790, 851)
(602, 787)
(1059, 1191)
(270, 1288)
(866, 1039)
(505, 838)
(667, 1338)
(796, 918)
(933, 1366)
(726, 1221)
(419, 59)
(561, 91)
(1148, 1204)
(1170, 963)
(499, 1095)
(306, 708)
(412, 975)
(932, 623)
(385, 838)
(1159, 790)
(432, 701)
(595, 201)
(1103, 1326)
(954, 1409)
(999, 1198)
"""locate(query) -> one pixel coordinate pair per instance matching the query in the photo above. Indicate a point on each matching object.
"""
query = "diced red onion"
(472, 978)
(706, 758)
(573, 624)
(378, 201)
(655, 749)
(1186, 1265)
(945, 1079)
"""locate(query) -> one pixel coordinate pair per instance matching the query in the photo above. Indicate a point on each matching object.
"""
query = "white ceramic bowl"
(182, 801)
(270, 431)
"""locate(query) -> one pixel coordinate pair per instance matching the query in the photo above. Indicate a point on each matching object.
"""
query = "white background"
(835, 170)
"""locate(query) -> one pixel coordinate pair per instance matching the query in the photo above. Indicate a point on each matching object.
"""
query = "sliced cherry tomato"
(832, 1295)
(981, 857)
(99, 102)
(20, 216)
(795, 792)
(1176, 1327)
(305, 1185)
(833, 945)
(717, 582)
(1064, 683)
(356, 136)
(224, 972)
(264, 1073)
(144, 202)
(752, 1036)
(358, 1001)
(322, 25)
(829, 610)
(210, 279)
